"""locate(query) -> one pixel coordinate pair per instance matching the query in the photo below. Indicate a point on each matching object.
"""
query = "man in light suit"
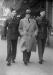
(28, 29)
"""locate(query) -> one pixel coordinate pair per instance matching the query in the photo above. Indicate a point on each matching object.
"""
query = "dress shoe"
(40, 62)
(25, 63)
(8, 64)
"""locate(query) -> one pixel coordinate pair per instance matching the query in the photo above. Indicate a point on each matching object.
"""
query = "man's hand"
(3, 37)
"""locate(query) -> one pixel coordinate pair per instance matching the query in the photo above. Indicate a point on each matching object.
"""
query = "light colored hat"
(28, 11)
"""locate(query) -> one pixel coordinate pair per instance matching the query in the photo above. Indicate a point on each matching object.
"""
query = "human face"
(42, 13)
(27, 15)
(13, 13)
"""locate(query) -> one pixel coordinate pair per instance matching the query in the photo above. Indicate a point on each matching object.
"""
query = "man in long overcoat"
(12, 33)
(43, 26)
(28, 29)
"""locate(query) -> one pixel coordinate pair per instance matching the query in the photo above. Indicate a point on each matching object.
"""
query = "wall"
(50, 11)
(52, 14)
(15, 4)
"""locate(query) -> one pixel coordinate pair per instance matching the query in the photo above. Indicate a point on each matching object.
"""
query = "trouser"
(26, 56)
(11, 49)
(29, 54)
(41, 47)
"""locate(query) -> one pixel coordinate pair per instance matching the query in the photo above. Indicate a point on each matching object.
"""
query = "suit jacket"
(43, 26)
(11, 28)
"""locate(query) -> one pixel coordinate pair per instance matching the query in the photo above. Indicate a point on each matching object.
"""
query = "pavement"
(33, 68)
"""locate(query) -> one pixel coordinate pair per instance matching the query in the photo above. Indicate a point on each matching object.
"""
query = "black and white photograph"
(26, 37)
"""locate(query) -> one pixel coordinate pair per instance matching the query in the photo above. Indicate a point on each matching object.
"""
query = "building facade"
(35, 6)
(49, 11)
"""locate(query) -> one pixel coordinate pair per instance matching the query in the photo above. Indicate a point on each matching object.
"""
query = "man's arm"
(21, 28)
(36, 29)
(5, 27)
(4, 31)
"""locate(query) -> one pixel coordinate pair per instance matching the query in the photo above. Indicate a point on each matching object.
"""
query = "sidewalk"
(33, 68)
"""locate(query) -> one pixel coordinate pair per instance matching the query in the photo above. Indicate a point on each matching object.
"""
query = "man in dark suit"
(12, 33)
(43, 26)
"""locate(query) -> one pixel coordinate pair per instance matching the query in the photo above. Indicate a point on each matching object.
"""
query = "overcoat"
(28, 30)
